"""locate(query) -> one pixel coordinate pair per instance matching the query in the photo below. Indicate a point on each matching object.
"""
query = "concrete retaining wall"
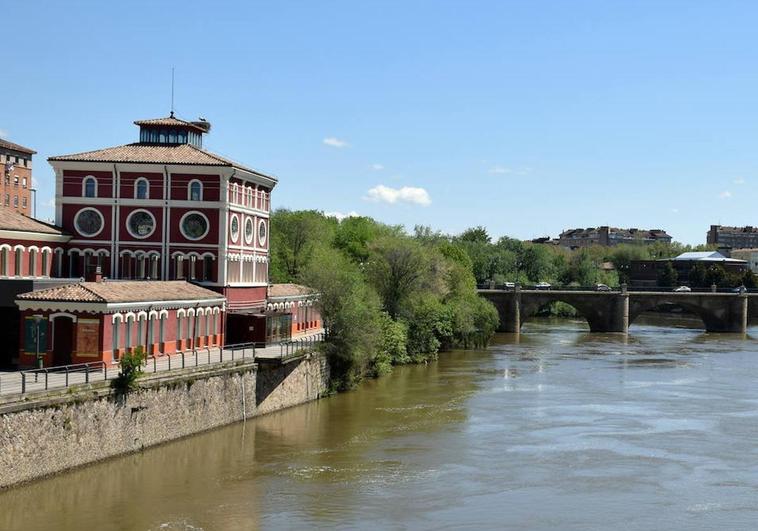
(55, 431)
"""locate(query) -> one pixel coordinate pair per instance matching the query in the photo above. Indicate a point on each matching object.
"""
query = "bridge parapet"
(614, 311)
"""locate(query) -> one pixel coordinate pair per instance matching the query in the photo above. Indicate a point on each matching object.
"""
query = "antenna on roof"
(172, 92)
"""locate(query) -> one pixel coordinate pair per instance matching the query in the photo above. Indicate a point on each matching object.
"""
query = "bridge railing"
(648, 289)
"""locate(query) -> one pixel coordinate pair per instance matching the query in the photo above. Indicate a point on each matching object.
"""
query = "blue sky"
(526, 117)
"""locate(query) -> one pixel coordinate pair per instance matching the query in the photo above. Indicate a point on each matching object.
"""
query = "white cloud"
(377, 167)
(340, 215)
(3, 133)
(335, 142)
(504, 170)
(739, 180)
(726, 194)
(406, 194)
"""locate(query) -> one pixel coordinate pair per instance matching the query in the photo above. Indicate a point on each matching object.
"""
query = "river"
(555, 429)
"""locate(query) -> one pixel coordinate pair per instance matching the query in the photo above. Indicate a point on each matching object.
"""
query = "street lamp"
(40, 359)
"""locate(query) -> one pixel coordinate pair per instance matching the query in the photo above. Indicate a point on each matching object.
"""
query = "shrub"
(130, 368)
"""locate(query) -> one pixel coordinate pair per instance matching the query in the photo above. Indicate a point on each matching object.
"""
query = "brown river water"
(556, 429)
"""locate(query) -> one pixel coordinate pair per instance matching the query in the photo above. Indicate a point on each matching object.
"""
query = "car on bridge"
(602, 287)
(543, 285)
(509, 285)
(683, 289)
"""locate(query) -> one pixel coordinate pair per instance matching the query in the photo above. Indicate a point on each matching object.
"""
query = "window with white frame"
(141, 189)
(89, 187)
(195, 192)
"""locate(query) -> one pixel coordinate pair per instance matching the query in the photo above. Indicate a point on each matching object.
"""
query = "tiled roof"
(15, 147)
(156, 154)
(288, 290)
(170, 121)
(123, 291)
(10, 219)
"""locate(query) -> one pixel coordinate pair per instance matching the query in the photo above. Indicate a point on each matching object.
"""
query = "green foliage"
(350, 311)
(667, 276)
(393, 348)
(295, 235)
(130, 368)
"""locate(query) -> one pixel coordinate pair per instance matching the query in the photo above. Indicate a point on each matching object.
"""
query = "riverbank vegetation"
(387, 297)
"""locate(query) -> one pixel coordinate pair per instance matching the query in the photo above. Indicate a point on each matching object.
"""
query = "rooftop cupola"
(172, 131)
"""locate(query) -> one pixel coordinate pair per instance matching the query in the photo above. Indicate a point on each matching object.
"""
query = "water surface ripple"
(556, 429)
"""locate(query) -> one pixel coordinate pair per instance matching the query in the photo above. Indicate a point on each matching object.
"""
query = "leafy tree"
(667, 275)
(748, 280)
(397, 269)
(392, 349)
(294, 237)
(350, 311)
(697, 276)
(475, 235)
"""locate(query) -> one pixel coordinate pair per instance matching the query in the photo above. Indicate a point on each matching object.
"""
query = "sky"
(525, 117)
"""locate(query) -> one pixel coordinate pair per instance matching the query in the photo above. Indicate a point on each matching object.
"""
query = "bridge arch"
(709, 317)
(591, 308)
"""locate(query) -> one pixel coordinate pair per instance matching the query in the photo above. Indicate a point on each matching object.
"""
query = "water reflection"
(554, 429)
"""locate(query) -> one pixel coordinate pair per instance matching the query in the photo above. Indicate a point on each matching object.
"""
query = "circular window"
(194, 226)
(262, 232)
(89, 222)
(140, 224)
(235, 228)
(249, 231)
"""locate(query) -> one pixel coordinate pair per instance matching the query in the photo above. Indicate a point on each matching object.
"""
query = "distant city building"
(733, 237)
(610, 236)
(16, 183)
(644, 273)
(749, 255)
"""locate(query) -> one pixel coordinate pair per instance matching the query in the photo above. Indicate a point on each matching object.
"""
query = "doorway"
(63, 340)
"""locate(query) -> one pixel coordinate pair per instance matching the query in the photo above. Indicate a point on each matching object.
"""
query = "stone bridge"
(614, 311)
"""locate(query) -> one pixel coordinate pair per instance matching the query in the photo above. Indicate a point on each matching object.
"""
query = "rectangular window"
(23, 202)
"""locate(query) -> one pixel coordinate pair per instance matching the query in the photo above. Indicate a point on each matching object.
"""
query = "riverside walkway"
(35, 380)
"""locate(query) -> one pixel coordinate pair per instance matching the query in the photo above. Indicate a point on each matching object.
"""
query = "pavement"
(16, 382)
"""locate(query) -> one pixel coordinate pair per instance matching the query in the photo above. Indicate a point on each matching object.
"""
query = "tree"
(475, 234)
(667, 275)
(294, 236)
(350, 311)
(397, 269)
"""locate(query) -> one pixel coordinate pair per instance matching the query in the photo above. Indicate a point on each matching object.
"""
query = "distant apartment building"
(733, 237)
(610, 236)
(16, 183)
(748, 255)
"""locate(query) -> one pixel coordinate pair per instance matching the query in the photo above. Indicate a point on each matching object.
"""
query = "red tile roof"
(16, 147)
(289, 290)
(10, 219)
(124, 291)
(170, 121)
(156, 154)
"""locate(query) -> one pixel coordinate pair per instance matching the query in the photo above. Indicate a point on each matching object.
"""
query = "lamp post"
(40, 359)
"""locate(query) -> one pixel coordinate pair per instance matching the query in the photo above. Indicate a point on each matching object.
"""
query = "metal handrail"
(87, 368)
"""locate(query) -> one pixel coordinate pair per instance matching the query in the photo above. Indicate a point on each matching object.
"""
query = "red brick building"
(154, 215)
(16, 183)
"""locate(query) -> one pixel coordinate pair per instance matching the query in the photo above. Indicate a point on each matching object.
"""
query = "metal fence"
(25, 381)
(295, 347)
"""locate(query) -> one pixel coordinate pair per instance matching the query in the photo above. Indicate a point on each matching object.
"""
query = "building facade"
(645, 273)
(136, 226)
(610, 236)
(733, 237)
(16, 184)
(101, 320)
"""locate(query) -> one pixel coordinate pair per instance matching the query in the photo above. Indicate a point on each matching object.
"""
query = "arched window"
(89, 187)
(32, 262)
(141, 189)
(19, 252)
(195, 191)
